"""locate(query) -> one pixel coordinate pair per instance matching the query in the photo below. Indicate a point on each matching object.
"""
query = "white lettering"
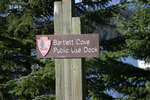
(82, 42)
(75, 50)
(90, 50)
(60, 50)
(56, 42)
(63, 42)
(67, 42)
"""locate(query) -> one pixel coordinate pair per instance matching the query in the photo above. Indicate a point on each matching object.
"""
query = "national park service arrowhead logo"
(44, 45)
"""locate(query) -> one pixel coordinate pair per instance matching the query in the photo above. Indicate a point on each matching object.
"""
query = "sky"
(111, 3)
(131, 61)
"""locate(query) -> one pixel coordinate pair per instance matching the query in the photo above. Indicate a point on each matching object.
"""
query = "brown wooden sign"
(67, 46)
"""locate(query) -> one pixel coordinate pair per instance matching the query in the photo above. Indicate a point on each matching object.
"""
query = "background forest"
(125, 32)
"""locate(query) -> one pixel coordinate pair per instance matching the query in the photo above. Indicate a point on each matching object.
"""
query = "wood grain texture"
(67, 25)
(59, 63)
(70, 73)
(78, 73)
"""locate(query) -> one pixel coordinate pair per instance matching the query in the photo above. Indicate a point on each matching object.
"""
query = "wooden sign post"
(71, 47)
(70, 76)
(59, 63)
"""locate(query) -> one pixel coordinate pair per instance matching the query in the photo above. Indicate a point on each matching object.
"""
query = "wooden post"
(59, 63)
(78, 76)
(67, 29)
(70, 76)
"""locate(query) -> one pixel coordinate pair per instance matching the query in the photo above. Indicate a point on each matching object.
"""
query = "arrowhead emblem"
(44, 45)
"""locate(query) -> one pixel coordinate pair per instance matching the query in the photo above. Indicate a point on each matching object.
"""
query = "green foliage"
(45, 97)
(136, 44)
(137, 31)
(40, 80)
(106, 74)
(96, 13)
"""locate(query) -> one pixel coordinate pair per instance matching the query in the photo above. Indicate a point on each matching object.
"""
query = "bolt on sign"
(67, 46)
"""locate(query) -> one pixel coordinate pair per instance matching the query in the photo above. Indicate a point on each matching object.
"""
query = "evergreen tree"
(109, 74)
(135, 43)
(20, 21)
(137, 31)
